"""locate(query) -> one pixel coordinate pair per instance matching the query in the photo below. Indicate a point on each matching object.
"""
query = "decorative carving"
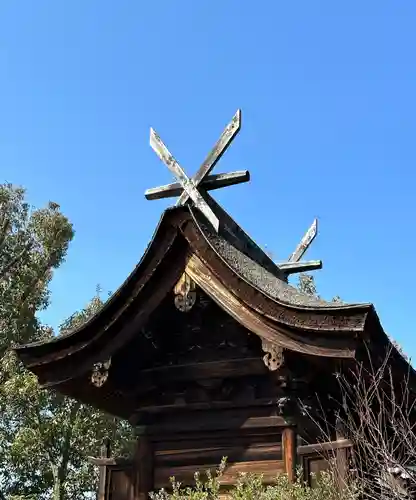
(273, 358)
(185, 293)
(229, 391)
(99, 374)
(205, 333)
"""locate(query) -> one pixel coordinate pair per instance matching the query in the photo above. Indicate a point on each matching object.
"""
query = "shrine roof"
(258, 298)
(268, 279)
(182, 231)
(197, 245)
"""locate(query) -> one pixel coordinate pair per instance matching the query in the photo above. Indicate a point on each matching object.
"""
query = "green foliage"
(32, 244)
(45, 438)
(252, 487)
(306, 284)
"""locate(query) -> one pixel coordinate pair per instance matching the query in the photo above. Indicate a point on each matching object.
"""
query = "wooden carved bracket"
(99, 374)
(273, 358)
(185, 293)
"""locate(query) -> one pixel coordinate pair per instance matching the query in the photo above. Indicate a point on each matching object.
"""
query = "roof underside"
(229, 268)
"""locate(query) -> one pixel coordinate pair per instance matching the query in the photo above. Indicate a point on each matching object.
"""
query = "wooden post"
(341, 456)
(289, 442)
(102, 483)
(143, 468)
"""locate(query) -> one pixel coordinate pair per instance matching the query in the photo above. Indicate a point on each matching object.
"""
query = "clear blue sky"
(327, 91)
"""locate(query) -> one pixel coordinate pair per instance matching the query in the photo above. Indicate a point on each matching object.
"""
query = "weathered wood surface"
(293, 264)
(188, 188)
(215, 154)
(249, 453)
(321, 448)
(300, 267)
(188, 185)
(109, 461)
(225, 420)
(185, 474)
(128, 311)
(258, 437)
(210, 183)
(181, 455)
(121, 482)
(102, 482)
(253, 321)
(341, 456)
(200, 371)
(300, 317)
(143, 468)
(305, 242)
(315, 458)
(289, 452)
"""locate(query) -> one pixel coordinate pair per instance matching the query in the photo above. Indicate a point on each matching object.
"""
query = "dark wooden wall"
(200, 391)
(245, 451)
(259, 451)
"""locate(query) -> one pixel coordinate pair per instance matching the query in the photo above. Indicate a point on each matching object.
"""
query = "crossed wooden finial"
(293, 264)
(192, 188)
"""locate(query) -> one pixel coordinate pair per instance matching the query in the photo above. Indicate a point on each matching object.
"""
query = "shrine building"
(209, 351)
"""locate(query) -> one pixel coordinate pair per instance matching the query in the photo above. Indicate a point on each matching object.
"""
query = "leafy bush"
(252, 487)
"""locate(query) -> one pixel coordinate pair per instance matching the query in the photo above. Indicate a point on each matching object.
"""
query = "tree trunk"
(60, 473)
(58, 488)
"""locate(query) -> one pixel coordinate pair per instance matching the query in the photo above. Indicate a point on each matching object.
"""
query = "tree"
(45, 438)
(33, 243)
(377, 412)
(378, 415)
(306, 284)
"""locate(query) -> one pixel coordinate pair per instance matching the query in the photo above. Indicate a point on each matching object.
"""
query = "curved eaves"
(319, 344)
(116, 306)
(266, 293)
(251, 271)
(63, 365)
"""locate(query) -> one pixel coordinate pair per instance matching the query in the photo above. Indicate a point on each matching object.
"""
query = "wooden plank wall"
(258, 452)
(246, 452)
(120, 485)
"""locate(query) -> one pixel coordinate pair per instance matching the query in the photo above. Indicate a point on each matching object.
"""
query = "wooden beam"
(152, 377)
(300, 267)
(210, 183)
(341, 456)
(267, 469)
(102, 482)
(188, 185)
(305, 242)
(324, 447)
(177, 422)
(204, 406)
(240, 448)
(101, 462)
(215, 154)
(143, 468)
(289, 452)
